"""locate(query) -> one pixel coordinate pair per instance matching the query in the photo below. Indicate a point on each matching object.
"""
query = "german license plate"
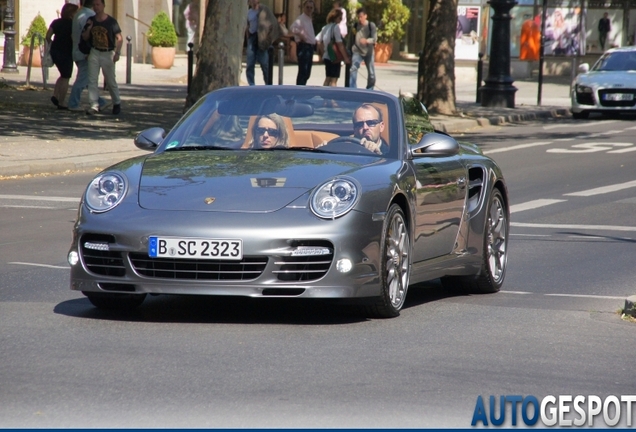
(619, 96)
(212, 249)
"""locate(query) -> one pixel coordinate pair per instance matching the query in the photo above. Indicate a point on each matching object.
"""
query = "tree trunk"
(437, 81)
(218, 62)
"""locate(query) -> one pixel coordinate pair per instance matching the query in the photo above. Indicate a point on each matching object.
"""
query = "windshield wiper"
(305, 149)
(197, 147)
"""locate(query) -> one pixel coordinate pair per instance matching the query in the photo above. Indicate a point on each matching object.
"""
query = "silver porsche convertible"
(290, 191)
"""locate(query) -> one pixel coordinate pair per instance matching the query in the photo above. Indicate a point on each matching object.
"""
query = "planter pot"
(26, 54)
(383, 52)
(163, 57)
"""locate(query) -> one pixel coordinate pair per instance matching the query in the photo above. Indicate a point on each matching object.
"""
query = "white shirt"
(79, 21)
(326, 34)
(343, 23)
(303, 29)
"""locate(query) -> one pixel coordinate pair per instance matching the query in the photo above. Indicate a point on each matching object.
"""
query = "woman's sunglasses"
(271, 132)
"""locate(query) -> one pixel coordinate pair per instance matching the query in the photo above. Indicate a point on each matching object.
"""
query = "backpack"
(333, 50)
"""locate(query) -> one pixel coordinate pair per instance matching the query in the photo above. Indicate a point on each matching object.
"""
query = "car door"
(440, 190)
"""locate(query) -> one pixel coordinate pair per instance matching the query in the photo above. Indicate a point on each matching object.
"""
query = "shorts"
(332, 70)
(63, 62)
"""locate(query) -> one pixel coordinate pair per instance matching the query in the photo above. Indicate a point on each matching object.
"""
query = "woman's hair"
(283, 138)
(68, 10)
(333, 16)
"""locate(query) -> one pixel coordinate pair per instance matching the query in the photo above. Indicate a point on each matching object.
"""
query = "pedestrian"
(363, 48)
(59, 38)
(191, 15)
(330, 33)
(104, 35)
(344, 28)
(604, 27)
(262, 31)
(81, 60)
(305, 37)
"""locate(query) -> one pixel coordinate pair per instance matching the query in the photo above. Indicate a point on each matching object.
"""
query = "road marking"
(578, 125)
(600, 134)
(39, 265)
(572, 226)
(517, 147)
(26, 206)
(587, 296)
(592, 147)
(533, 204)
(604, 189)
(625, 150)
(516, 292)
(532, 235)
(40, 198)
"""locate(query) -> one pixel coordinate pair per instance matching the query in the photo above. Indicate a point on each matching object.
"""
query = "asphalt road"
(199, 362)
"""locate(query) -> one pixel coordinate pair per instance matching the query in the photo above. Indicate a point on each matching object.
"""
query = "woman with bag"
(61, 50)
(334, 51)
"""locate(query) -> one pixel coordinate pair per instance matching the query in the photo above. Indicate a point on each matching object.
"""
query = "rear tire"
(114, 301)
(495, 253)
(395, 266)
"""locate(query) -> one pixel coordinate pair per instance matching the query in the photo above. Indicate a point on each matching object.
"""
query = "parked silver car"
(609, 87)
(293, 191)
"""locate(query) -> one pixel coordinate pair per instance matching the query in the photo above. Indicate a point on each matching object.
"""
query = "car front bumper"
(268, 242)
(599, 100)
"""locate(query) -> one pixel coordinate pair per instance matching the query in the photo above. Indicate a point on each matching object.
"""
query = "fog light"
(344, 265)
(73, 258)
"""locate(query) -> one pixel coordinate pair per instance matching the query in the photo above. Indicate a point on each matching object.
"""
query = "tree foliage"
(218, 62)
(436, 84)
(162, 32)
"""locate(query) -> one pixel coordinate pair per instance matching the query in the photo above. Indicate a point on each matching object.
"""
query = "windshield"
(616, 61)
(275, 119)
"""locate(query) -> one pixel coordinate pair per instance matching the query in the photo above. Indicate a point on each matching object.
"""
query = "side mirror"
(435, 144)
(150, 139)
(584, 68)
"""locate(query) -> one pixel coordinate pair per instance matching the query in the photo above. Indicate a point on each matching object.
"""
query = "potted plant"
(162, 37)
(38, 25)
(390, 17)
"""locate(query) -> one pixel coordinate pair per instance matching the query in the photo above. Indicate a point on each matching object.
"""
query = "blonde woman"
(269, 131)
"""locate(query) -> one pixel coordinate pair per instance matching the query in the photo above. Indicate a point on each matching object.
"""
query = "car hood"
(618, 79)
(236, 181)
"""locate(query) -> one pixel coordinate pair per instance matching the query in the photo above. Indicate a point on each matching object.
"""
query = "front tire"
(495, 253)
(113, 301)
(395, 266)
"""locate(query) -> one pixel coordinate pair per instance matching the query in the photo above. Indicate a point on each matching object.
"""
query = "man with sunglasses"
(368, 126)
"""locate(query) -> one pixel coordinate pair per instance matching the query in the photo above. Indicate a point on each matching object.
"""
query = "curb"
(630, 306)
(467, 123)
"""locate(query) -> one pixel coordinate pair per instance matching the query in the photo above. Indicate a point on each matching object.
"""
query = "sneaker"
(105, 106)
(91, 111)
(55, 101)
(116, 109)
(76, 109)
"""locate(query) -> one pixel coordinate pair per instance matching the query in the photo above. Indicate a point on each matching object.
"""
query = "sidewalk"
(36, 138)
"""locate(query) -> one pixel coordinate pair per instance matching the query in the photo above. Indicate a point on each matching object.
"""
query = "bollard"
(281, 62)
(270, 65)
(190, 62)
(347, 74)
(480, 71)
(128, 60)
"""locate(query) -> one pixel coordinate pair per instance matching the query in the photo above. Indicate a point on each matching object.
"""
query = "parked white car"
(609, 87)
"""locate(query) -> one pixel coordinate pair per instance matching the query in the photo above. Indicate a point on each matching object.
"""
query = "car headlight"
(334, 198)
(583, 89)
(105, 192)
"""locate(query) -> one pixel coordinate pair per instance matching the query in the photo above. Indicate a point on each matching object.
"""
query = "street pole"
(9, 65)
(544, 13)
(498, 90)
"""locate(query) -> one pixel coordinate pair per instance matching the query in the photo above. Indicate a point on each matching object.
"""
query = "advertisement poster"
(467, 36)
(564, 32)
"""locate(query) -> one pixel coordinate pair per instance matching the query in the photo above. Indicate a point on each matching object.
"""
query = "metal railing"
(45, 70)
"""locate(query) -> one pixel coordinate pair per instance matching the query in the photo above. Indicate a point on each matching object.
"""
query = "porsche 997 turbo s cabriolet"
(295, 192)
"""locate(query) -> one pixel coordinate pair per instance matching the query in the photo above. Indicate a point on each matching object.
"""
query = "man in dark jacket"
(604, 27)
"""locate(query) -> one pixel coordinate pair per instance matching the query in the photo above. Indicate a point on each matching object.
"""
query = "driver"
(367, 127)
